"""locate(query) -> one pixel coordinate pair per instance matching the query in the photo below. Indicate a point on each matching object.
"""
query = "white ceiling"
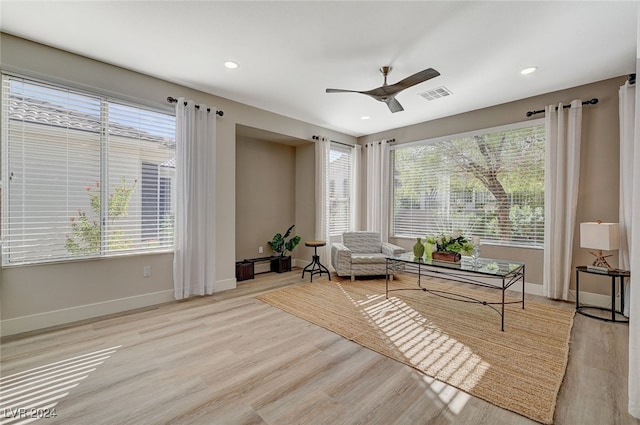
(290, 52)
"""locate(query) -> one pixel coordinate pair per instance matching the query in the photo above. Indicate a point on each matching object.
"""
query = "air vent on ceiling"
(436, 93)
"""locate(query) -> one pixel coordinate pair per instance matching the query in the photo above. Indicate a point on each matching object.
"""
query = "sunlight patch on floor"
(33, 394)
(425, 345)
(428, 348)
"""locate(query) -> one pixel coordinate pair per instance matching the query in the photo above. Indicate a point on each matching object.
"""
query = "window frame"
(444, 138)
(105, 99)
(349, 150)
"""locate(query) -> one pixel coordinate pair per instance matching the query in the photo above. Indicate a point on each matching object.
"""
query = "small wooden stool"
(315, 267)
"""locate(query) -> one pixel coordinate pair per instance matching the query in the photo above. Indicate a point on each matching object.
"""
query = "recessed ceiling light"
(231, 64)
(529, 70)
(365, 117)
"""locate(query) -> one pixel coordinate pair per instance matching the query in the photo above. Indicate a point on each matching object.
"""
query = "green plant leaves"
(281, 245)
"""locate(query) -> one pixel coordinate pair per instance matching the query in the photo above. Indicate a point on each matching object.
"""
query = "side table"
(620, 274)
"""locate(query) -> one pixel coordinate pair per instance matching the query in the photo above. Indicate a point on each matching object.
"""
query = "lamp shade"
(602, 236)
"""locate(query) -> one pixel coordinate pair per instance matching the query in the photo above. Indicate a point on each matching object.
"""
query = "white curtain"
(355, 187)
(627, 95)
(634, 265)
(378, 188)
(562, 172)
(194, 229)
(323, 149)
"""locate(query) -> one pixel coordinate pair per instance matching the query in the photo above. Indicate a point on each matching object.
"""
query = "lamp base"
(600, 264)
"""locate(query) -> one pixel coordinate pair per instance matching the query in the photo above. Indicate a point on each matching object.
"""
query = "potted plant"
(448, 248)
(280, 245)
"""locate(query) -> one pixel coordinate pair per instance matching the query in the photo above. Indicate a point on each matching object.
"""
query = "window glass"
(78, 171)
(340, 190)
(488, 184)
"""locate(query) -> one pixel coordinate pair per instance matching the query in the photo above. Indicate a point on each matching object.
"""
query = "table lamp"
(603, 237)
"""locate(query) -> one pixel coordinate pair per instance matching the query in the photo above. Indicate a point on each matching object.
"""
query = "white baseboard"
(588, 298)
(90, 311)
(530, 288)
(300, 263)
(597, 300)
(585, 297)
(225, 285)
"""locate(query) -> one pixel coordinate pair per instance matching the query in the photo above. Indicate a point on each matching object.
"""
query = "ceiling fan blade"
(417, 78)
(341, 91)
(394, 105)
(386, 93)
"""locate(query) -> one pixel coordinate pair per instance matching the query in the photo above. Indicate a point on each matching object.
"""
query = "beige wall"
(265, 184)
(275, 184)
(48, 294)
(599, 177)
(40, 296)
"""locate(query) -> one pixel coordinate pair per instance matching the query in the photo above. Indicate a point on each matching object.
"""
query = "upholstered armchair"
(362, 254)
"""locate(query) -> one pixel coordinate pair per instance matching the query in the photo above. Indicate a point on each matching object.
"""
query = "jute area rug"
(520, 369)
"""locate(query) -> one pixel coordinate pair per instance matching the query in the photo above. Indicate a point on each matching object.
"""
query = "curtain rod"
(366, 145)
(586, 102)
(174, 100)
(332, 141)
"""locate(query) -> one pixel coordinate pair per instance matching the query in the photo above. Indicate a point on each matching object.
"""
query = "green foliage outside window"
(490, 185)
(86, 236)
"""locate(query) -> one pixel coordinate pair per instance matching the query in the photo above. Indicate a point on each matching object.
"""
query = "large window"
(84, 175)
(340, 191)
(488, 183)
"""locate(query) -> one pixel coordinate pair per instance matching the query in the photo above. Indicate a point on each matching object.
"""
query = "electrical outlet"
(260, 250)
(146, 271)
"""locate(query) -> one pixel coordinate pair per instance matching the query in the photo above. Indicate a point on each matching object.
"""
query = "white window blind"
(339, 188)
(85, 176)
(488, 183)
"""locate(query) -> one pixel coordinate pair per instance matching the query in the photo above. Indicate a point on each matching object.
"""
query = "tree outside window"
(490, 184)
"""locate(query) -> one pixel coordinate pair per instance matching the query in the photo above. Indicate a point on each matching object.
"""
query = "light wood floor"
(231, 359)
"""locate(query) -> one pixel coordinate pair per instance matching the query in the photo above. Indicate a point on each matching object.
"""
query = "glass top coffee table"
(485, 272)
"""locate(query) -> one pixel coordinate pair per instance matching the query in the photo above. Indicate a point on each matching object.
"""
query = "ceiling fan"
(387, 93)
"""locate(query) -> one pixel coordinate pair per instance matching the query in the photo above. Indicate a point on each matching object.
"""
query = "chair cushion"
(374, 258)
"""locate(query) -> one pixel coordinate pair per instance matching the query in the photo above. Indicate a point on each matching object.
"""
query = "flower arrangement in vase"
(449, 247)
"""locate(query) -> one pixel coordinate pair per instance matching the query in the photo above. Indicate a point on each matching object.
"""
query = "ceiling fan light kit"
(387, 93)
